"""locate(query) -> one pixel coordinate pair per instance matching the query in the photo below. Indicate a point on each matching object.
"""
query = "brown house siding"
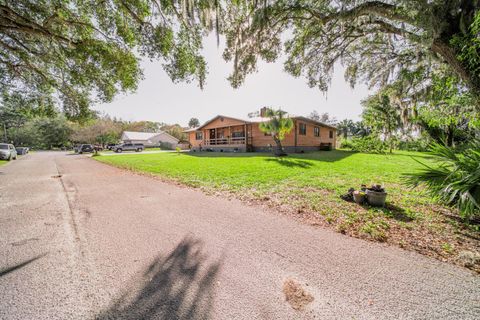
(259, 139)
(309, 139)
(193, 141)
(294, 140)
(325, 136)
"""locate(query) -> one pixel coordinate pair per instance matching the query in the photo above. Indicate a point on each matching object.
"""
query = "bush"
(456, 178)
(368, 144)
(414, 145)
(346, 144)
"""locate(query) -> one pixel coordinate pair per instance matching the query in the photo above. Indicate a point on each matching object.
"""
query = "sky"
(158, 99)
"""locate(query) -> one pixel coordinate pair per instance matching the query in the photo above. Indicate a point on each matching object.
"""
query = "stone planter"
(376, 198)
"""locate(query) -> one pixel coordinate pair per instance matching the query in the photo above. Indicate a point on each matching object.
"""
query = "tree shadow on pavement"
(20, 265)
(179, 286)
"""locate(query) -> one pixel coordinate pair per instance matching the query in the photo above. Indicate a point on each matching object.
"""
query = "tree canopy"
(382, 117)
(77, 52)
(193, 123)
(379, 42)
(74, 53)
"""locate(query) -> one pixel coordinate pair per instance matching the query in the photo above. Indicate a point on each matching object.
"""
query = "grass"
(2, 162)
(308, 186)
(236, 171)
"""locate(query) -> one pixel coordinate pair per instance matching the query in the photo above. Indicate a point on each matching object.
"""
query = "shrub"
(455, 180)
(369, 144)
(346, 144)
(414, 145)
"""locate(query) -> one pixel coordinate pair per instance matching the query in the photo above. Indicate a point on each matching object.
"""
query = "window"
(302, 129)
(316, 131)
(331, 134)
(198, 135)
(238, 134)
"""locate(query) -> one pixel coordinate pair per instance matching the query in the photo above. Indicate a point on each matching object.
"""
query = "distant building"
(149, 139)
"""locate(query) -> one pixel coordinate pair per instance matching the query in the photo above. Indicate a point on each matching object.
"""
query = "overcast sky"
(158, 99)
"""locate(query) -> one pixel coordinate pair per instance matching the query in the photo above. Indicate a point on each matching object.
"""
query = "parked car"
(22, 150)
(138, 147)
(85, 148)
(7, 152)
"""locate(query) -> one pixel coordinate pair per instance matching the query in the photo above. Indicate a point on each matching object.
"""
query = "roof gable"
(241, 121)
(163, 133)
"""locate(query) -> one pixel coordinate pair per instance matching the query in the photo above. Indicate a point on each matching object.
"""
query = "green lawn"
(2, 162)
(309, 187)
(329, 170)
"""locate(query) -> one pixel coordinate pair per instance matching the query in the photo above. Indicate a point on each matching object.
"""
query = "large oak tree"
(379, 42)
(82, 51)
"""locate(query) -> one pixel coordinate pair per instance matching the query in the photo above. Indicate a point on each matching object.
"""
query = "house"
(149, 139)
(223, 133)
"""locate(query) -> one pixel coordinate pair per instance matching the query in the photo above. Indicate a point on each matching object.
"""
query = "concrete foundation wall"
(220, 149)
(288, 149)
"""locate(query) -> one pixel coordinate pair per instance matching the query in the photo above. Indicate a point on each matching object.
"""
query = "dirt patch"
(295, 295)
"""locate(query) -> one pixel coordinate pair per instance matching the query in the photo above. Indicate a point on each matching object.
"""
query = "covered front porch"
(224, 134)
(231, 136)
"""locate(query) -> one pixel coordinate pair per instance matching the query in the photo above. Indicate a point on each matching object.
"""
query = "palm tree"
(455, 180)
(278, 125)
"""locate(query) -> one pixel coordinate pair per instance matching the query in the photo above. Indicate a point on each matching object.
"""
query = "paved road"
(102, 243)
(103, 153)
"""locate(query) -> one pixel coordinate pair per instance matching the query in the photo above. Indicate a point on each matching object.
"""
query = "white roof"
(145, 136)
(132, 135)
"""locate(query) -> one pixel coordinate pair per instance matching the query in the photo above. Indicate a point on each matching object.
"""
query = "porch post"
(245, 135)
(229, 135)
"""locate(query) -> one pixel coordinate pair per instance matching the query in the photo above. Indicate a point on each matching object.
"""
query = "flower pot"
(359, 197)
(376, 198)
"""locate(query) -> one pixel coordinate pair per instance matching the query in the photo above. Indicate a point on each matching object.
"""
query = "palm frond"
(455, 180)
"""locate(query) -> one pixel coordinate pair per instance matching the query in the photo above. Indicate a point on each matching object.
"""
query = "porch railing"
(222, 141)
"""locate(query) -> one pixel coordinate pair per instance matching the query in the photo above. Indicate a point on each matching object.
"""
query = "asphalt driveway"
(82, 240)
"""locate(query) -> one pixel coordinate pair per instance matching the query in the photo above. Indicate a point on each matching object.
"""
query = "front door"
(212, 136)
